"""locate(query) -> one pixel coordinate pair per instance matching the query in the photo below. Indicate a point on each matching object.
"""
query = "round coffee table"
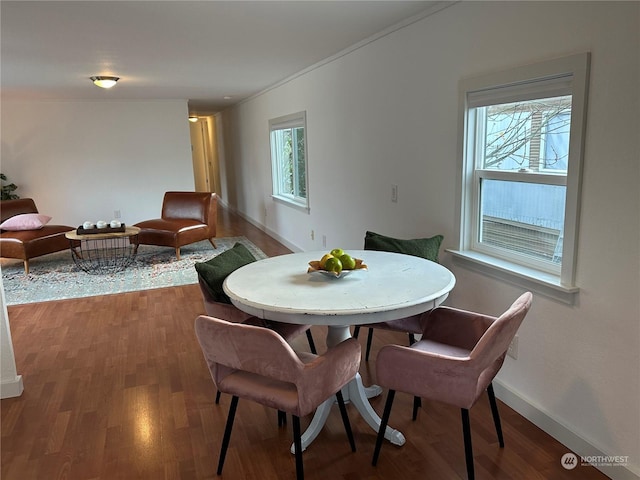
(101, 253)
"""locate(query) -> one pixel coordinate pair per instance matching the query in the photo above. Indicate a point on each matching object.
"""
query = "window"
(521, 167)
(520, 151)
(289, 159)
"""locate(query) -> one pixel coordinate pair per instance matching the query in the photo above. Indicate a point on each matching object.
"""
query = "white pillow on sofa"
(25, 221)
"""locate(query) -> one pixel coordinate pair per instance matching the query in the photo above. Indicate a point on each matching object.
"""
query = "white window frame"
(546, 79)
(294, 120)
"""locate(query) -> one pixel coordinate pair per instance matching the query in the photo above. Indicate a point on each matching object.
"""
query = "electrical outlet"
(394, 193)
(324, 241)
(313, 235)
(513, 348)
(116, 214)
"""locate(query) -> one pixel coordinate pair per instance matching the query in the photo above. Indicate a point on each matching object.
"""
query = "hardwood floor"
(116, 388)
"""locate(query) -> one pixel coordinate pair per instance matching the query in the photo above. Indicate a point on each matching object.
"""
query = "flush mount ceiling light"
(193, 119)
(104, 82)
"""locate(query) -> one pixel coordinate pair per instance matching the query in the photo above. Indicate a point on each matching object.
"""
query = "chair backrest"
(192, 205)
(257, 363)
(11, 208)
(249, 348)
(494, 343)
(221, 310)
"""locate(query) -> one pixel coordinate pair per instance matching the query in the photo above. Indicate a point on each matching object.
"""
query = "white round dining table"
(393, 286)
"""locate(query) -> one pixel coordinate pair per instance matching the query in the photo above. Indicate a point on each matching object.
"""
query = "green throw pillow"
(214, 271)
(418, 247)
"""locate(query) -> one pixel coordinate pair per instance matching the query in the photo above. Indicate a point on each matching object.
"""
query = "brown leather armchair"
(27, 244)
(187, 217)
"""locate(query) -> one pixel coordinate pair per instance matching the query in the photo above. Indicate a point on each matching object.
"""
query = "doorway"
(204, 155)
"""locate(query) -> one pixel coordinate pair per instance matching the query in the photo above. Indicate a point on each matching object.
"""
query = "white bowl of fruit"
(336, 264)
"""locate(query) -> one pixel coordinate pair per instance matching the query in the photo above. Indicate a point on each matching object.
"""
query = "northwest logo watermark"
(570, 460)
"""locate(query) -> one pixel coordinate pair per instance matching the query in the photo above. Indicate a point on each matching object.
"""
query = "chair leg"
(383, 425)
(297, 442)
(212, 243)
(496, 414)
(369, 340)
(178, 253)
(227, 433)
(217, 397)
(356, 331)
(345, 420)
(468, 449)
(312, 345)
(26, 267)
(417, 403)
(282, 418)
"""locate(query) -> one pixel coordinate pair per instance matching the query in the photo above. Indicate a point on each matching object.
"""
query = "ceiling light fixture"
(193, 119)
(104, 82)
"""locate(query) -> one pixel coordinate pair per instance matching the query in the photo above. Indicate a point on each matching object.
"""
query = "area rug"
(56, 277)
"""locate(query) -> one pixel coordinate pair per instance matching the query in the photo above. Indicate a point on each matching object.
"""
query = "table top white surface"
(394, 286)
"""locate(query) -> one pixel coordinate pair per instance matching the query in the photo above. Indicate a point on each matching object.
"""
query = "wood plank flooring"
(116, 388)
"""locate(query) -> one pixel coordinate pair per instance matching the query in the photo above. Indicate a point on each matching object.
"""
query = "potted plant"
(7, 189)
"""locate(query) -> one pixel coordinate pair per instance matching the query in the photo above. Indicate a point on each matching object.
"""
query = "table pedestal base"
(355, 393)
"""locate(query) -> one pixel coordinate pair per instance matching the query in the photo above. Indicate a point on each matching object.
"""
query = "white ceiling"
(201, 51)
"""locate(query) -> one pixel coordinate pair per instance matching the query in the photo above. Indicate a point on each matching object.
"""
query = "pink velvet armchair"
(456, 360)
(426, 248)
(258, 364)
(230, 313)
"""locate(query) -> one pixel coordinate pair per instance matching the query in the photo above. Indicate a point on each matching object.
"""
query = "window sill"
(291, 203)
(540, 282)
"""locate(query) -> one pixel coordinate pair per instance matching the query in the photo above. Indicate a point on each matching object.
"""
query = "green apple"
(333, 265)
(348, 262)
(337, 252)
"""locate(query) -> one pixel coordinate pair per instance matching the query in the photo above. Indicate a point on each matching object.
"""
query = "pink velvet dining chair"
(426, 248)
(456, 360)
(211, 277)
(229, 312)
(257, 364)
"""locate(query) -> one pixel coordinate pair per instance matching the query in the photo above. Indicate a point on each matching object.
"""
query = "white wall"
(83, 160)
(10, 382)
(387, 114)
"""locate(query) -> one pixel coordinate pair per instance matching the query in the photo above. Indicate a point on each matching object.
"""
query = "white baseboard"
(12, 388)
(289, 245)
(574, 443)
(224, 204)
(268, 231)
